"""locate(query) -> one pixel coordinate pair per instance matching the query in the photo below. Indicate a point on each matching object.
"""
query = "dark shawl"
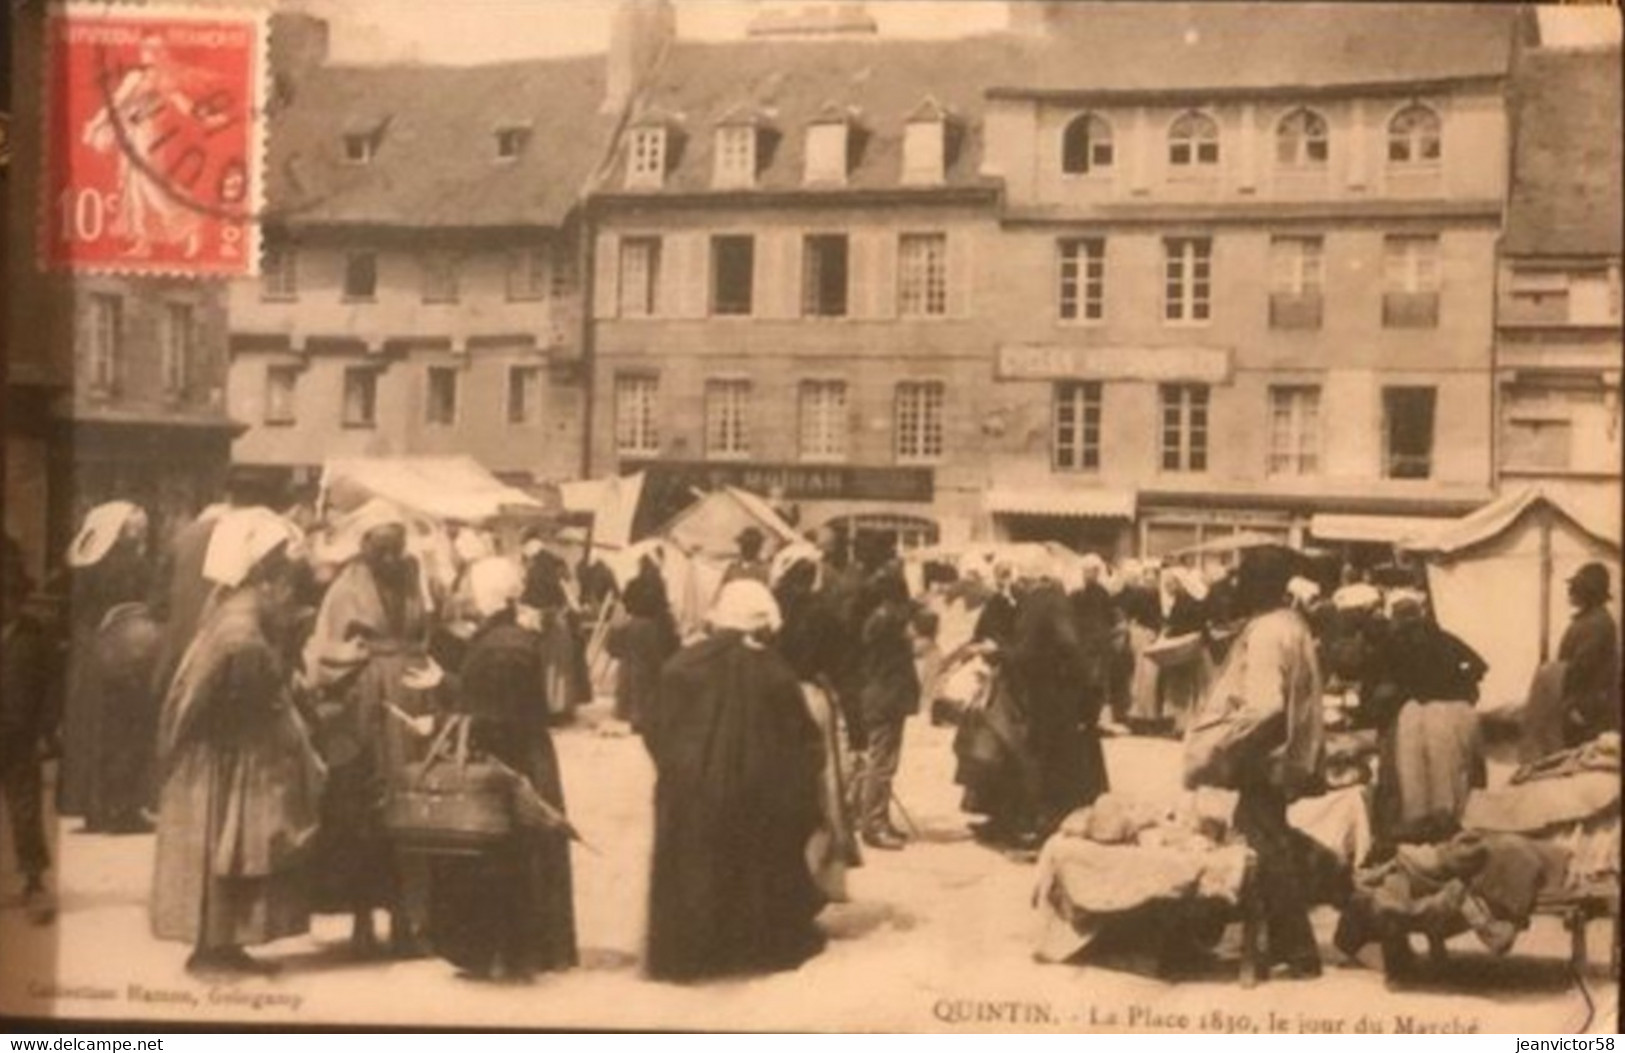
(737, 760)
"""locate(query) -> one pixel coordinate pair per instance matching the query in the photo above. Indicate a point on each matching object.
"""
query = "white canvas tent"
(695, 547)
(1498, 578)
(449, 489)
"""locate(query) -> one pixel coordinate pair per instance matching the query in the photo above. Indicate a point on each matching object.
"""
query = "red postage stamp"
(153, 139)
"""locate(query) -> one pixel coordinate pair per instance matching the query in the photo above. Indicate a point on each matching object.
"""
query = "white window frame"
(1081, 268)
(727, 419)
(823, 424)
(511, 141)
(1192, 135)
(1295, 430)
(370, 377)
(279, 277)
(918, 421)
(360, 148)
(638, 276)
(1099, 151)
(105, 334)
(1185, 423)
(637, 415)
(922, 275)
(1295, 135)
(273, 416)
(441, 276)
(1077, 414)
(1405, 134)
(646, 156)
(179, 354)
(736, 146)
(1187, 281)
(811, 275)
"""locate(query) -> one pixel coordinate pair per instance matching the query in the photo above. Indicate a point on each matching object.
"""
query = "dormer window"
(646, 165)
(360, 147)
(1413, 136)
(1301, 140)
(511, 142)
(827, 141)
(1193, 141)
(736, 155)
(1086, 145)
(925, 144)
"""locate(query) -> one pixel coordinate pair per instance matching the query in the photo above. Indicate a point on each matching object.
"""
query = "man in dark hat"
(1590, 649)
(750, 565)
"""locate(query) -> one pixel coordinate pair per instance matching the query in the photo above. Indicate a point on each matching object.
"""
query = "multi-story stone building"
(1559, 320)
(793, 256)
(420, 286)
(1246, 295)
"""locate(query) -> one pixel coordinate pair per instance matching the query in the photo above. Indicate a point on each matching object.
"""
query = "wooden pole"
(1545, 586)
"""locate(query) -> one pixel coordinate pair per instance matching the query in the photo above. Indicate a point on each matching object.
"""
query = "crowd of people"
(263, 707)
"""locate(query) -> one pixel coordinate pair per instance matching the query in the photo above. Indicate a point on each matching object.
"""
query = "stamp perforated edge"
(259, 83)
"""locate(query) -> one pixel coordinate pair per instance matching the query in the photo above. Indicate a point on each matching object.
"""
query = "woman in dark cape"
(737, 761)
(510, 911)
(1048, 668)
(643, 644)
(110, 721)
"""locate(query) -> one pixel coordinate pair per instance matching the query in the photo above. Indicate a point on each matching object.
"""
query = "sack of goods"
(449, 803)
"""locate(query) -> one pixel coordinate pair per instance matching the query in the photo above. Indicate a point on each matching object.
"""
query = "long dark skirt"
(510, 907)
(513, 907)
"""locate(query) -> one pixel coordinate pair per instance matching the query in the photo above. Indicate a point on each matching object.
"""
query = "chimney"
(298, 45)
(813, 20)
(640, 32)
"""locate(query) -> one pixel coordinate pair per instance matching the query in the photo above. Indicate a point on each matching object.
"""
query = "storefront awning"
(1066, 503)
(1375, 530)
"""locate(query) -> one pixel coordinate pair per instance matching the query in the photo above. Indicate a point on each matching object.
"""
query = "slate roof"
(1566, 183)
(436, 163)
(1184, 46)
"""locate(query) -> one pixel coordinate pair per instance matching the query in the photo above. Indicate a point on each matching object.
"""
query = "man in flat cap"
(1590, 648)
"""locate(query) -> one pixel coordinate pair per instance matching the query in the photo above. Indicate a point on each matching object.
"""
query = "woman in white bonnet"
(737, 761)
(240, 783)
(111, 705)
(509, 913)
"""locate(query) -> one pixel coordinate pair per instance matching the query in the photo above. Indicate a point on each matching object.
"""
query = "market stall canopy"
(450, 489)
(1080, 503)
(710, 526)
(612, 503)
(1373, 530)
(1237, 542)
(1456, 537)
(1498, 579)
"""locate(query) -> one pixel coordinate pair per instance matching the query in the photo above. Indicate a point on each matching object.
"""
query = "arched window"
(1086, 145)
(1300, 139)
(1413, 136)
(1193, 139)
